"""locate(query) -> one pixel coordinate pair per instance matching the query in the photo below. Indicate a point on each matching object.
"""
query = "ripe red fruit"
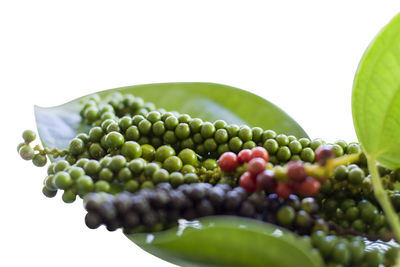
(244, 156)
(265, 180)
(256, 166)
(260, 152)
(228, 162)
(309, 187)
(283, 190)
(296, 171)
(247, 182)
(323, 153)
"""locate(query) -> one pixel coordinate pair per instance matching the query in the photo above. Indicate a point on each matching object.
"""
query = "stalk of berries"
(163, 206)
(295, 177)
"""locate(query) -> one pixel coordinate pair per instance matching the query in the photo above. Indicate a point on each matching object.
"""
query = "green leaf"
(209, 101)
(228, 241)
(376, 97)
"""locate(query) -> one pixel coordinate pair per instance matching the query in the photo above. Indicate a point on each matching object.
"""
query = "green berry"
(113, 127)
(176, 179)
(197, 138)
(358, 225)
(222, 149)
(62, 180)
(233, 130)
(257, 134)
(271, 145)
(283, 154)
(195, 125)
(125, 174)
(132, 133)
(158, 128)
(210, 145)
(131, 150)
(249, 145)
(268, 134)
(173, 164)
(92, 167)
(84, 185)
(210, 164)
(61, 165)
(114, 140)
(84, 137)
(207, 130)
(26, 152)
(307, 154)
(144, 127)
(153, 116)
(102, 186)
(143, 140)
(124, 123)
(305, 142)
(353, 148)
(131, 186)
(341, 173)
(117, 162)
(169, 137)
(190, 178)
(147, 184)
(188, 169)
(341, 254)
(163, 152)
(352, 213)
(295, 147)
(220, 124)
(80, 163)
(285, 215)
(136, 166)
(76, 172)
(29, 136)
(282, 139)
(148, 152)
(76, 146)
(95, 134)
(316, 143)
(105, 124)
(68, 196)
(48, 193)
(235, 144)
(150, 169)
(373, 258)
(245, 133)
(182, 131)
(187, 156)
(106, 175)
(137, 119)
(356, 176)
(171, 123)
(39, 160)
(49, 183)
(187, 143)
(160, 176)
(184, 118)
(326, 246)
(338, 150)
(221, 136)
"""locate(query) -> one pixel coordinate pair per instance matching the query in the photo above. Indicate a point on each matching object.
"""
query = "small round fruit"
(228, 162)
(256, 165)
(260, 152)
(247, 182)
(28, 136)
(131, 150)
(309, 187)
(265, 180)
(244, 155)
(173, 164)
(296, 171)
(283, 190)
(114, 140)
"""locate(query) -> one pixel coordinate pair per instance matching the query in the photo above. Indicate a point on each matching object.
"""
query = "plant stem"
(383, 199)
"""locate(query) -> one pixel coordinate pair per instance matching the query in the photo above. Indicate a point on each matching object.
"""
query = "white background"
(301, 55)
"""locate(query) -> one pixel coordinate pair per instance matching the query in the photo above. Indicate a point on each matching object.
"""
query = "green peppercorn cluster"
(142, 168)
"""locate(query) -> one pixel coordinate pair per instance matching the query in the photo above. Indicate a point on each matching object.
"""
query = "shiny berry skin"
(244, 156)
(260, 152)
(296, 171)
(228, 162)
(283, 190)
(247, 182)
(323, 153)
(309, 187)
(256, 165)
(265, 180)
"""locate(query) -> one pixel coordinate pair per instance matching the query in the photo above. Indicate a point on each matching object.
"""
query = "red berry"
(296, 171)
(283, 190)
(247, 182)
(260, 152)
(265, 180)
(256, 166)
(309, 187)
(244, 155)
(228, 162)
(323, 153)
